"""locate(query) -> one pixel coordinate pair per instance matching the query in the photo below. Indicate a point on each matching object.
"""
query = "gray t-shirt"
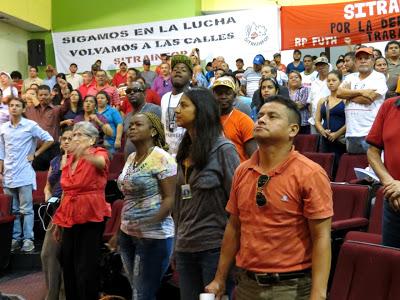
(149, 77)
(200, 221)
(148, 107)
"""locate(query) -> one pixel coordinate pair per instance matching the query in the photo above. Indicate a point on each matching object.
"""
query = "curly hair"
(159, 138)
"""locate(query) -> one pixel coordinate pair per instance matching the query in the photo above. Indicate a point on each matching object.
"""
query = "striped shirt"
(251, 80)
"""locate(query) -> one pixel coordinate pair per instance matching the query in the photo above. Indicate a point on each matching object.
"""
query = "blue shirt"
(16, 143)
(114, 119)
(51, 82)
(291, 67)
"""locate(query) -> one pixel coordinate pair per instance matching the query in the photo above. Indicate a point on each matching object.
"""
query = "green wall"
(68, 15)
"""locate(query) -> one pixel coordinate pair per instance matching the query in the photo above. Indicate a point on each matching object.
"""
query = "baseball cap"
(5, 73)
(321, 60)
(224, 81)
(367, 50)
(146, 62)
(276, 54)
(258, 59)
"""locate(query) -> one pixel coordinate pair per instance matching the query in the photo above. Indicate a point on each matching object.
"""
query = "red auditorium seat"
(366, 271)
(350, 203)
(347, 163)
(6, 228)
(116, 165)
(114, 222)
(38, 194)
(325, 160)
(374, 233)
(306, 142)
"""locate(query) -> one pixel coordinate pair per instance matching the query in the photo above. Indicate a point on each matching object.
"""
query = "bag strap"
(327, 111)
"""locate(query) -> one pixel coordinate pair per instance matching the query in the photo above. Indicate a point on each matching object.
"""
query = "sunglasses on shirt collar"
(262, 181)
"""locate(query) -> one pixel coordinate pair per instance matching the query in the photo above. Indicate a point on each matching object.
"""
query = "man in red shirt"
(279, 65)
(279, 229)
(120, 76)
(88, 82)
(102, 85)
(150, 96)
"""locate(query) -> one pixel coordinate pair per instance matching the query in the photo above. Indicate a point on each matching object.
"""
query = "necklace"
(226, 120)
(138, 161)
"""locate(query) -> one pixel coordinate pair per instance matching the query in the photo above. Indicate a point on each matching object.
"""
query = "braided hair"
(159, 138)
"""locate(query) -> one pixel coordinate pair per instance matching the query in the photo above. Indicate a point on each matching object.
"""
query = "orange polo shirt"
(238, 128)
(276, 237)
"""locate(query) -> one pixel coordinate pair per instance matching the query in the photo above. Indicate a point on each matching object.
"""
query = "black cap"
(146, 62)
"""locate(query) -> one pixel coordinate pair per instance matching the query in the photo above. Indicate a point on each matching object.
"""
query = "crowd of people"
(211, 179)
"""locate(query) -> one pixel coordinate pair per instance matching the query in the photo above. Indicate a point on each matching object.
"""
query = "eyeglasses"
(79, 135)
(65, 138)
(134, 90)
(261, 182)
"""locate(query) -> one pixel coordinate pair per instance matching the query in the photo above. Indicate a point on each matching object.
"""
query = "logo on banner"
(256, 34)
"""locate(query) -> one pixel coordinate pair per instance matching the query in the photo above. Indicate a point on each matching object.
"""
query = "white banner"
(232, 35)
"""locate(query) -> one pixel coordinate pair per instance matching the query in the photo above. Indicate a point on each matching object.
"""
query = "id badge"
(172, 126)
(186, 193)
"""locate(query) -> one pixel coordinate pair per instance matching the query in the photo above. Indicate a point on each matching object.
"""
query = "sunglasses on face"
(261, 182)
(134, 90)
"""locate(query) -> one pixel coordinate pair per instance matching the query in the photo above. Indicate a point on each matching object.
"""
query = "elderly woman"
(81, 213)
(384, 136)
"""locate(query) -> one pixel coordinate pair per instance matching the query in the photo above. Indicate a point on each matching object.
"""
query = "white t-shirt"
(319, 90)
(173, 133)
(307, 80)
(281, 77)
(10, 91)
(75, 80)
(359, 117)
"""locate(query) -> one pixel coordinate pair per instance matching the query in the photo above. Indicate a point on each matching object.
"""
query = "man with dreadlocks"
(182, 71)
(148, 183)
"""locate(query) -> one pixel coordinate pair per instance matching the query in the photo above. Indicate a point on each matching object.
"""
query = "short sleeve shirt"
(276, 237)
(252, 81)
(359, 117)
(143, 196)
(238, 128)
(384, 135)
(114, 119)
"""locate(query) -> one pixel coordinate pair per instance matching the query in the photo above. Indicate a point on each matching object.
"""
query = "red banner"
(327, 25)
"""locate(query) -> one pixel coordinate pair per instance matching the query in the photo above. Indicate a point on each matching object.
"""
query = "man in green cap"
(182, 70)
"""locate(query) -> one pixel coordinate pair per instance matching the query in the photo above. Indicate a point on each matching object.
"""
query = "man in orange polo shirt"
(236, 126)
(280, 216)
